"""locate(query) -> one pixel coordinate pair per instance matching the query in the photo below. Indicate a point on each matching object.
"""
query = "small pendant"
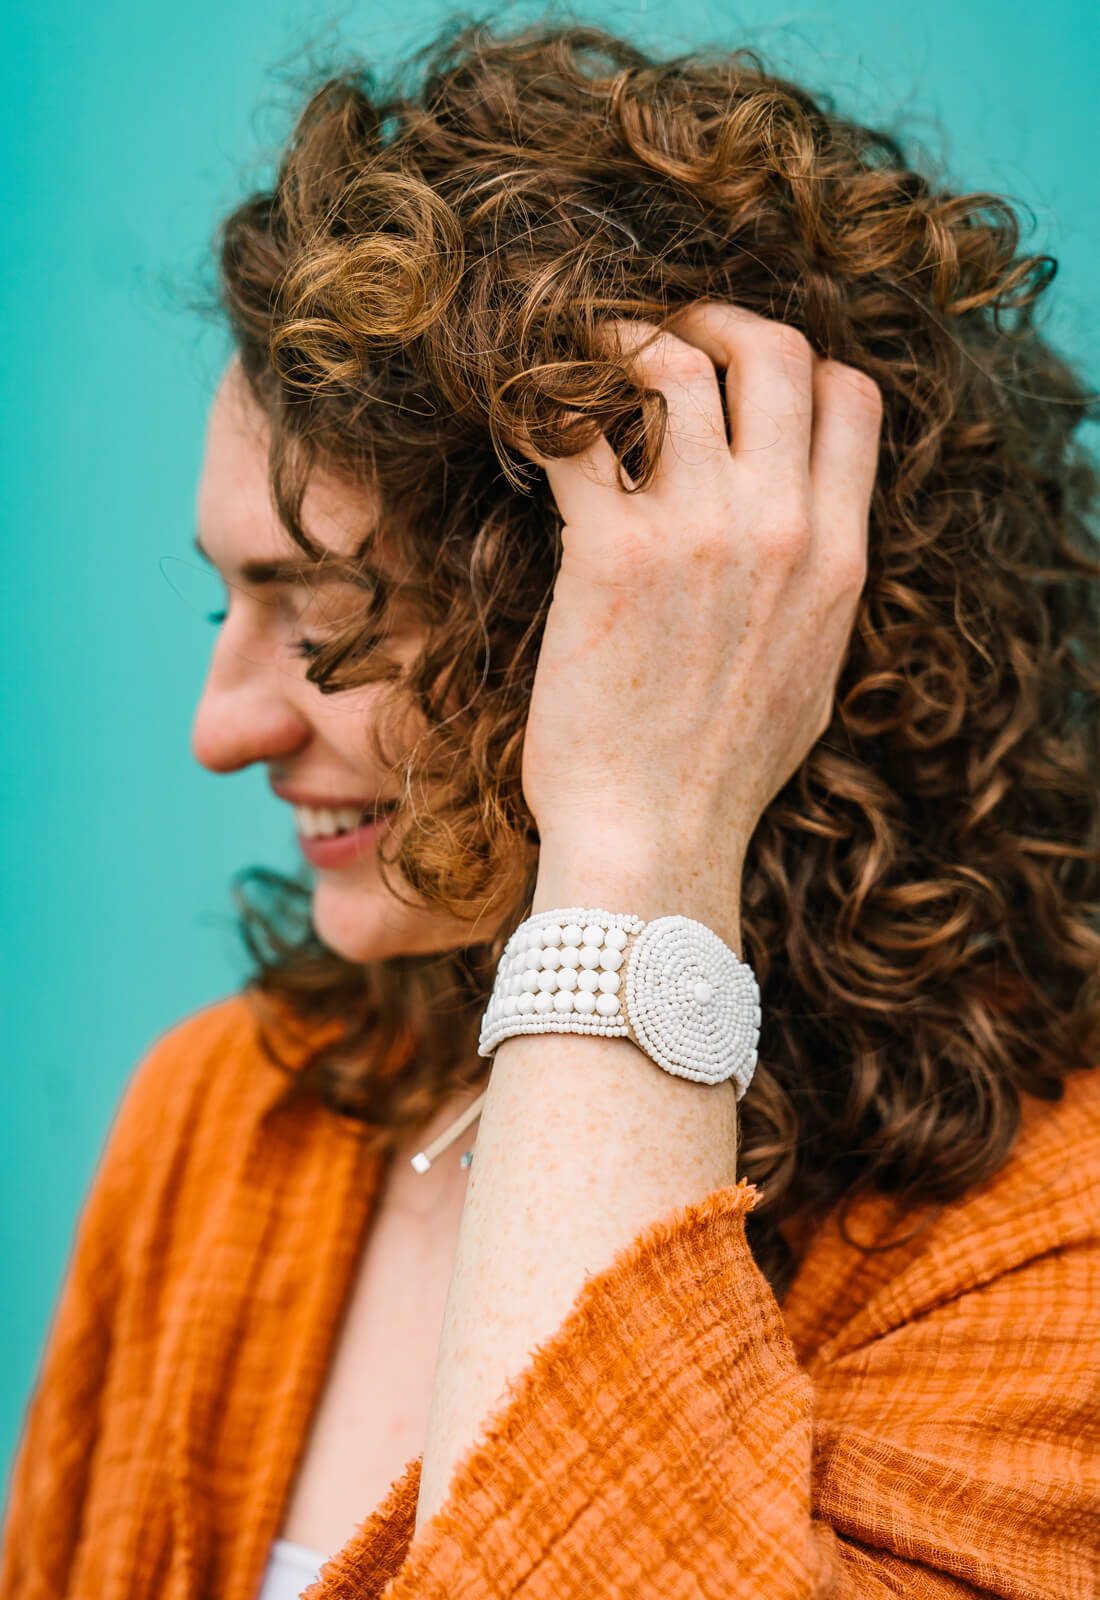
(467, 1157)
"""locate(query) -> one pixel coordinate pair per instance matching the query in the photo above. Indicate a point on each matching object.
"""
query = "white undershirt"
(290, 1569)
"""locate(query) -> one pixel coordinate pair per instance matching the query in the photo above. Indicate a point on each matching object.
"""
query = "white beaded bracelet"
(672, 986)
(690, 1004)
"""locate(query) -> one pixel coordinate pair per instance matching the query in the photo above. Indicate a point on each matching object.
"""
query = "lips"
(315, 800)
(341, 849)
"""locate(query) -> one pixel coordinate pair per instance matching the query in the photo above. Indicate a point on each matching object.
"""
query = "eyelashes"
(306, 648)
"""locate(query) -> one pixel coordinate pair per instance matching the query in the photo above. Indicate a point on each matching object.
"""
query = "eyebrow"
(289, 569)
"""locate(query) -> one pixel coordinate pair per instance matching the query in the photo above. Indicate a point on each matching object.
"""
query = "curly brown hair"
(421, 287)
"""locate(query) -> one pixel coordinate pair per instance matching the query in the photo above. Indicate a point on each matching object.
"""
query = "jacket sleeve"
(666, 1442)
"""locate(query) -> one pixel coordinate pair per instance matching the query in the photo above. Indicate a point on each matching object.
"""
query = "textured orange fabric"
(918, 1421)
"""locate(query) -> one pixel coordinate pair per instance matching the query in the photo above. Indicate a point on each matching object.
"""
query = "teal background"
(133, 129)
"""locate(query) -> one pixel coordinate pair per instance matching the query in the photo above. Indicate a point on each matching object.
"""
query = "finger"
(695, 436)
(583, 484)
(844, 452)
(847, 426)
(769, 384)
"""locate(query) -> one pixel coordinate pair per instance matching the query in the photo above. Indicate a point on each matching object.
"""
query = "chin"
(366, 923)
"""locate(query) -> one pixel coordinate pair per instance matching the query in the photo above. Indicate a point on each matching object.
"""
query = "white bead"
(572, 934)
(550, 959)
(607, 1004)
(611, 960)
(593, 934)
(544, 1001)
(583, 1000)
(533, 939)
(548, 982)
(590, 955)
(525, 1003)
(569, 955)
(531, 978)
(616, 938)
(563, 1001)
(703, 992)
(609, 982)
(551, 934)
(587, 979)
(567, 978)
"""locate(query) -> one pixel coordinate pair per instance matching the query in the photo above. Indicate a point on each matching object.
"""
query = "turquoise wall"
(132, 129)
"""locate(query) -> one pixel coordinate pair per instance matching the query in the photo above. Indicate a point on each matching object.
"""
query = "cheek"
(368, 729)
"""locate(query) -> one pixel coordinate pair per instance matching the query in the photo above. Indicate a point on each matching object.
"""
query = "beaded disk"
(694, 1007)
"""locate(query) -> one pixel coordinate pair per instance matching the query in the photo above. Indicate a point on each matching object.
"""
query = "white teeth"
(318, 822)
(304, 818)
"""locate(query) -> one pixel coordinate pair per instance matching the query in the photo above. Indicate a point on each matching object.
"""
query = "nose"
(244, 715)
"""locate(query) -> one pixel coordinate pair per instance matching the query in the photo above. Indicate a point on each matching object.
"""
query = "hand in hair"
(698, 626)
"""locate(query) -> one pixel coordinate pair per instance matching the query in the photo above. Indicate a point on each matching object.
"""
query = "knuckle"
(790, 343)
(787, 536)
(859, 385)
(668, 355)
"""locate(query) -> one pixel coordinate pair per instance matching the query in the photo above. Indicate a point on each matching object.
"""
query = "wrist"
(647, 884)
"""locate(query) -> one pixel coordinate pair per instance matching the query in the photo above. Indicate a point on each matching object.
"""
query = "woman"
(639, 495)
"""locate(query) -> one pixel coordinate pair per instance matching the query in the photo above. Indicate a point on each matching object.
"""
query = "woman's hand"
(697, 628)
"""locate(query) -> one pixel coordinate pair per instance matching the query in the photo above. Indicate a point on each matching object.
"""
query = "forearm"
(583, 1141)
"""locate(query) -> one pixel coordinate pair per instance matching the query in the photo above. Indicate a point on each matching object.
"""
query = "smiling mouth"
(316, 822)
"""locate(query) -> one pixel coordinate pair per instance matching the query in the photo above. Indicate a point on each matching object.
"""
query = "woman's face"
(258, 706)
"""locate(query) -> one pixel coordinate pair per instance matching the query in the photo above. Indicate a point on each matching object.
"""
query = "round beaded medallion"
(693, 1006)
(671, 985)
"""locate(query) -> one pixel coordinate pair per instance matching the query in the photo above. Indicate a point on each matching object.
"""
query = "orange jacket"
(918, 1421)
